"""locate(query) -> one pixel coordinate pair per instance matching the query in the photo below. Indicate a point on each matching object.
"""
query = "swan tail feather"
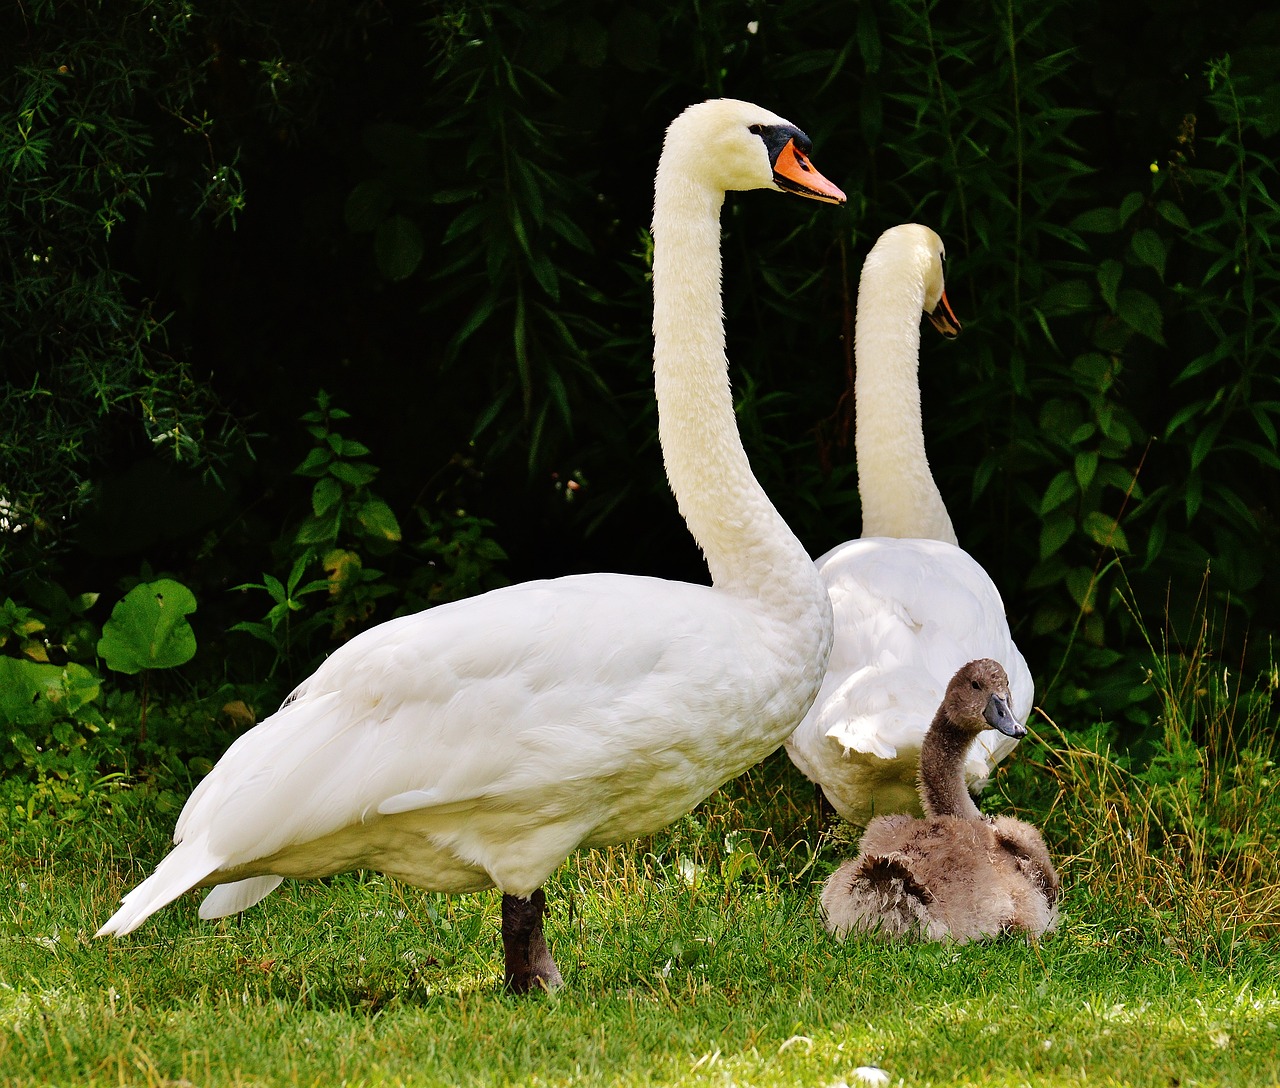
(240, 895)
(181, 870)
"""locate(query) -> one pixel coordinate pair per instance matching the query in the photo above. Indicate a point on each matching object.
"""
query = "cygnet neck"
(941, 777)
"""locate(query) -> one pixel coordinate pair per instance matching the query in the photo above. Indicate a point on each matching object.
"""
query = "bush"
(460, 260)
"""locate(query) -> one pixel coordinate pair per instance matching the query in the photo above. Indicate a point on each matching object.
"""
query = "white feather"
(228, 899)
(911, 607)
(479, 743)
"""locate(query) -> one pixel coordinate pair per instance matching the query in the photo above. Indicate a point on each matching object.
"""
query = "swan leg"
(529, 963)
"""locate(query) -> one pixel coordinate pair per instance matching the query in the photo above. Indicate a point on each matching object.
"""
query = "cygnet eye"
(976, 685)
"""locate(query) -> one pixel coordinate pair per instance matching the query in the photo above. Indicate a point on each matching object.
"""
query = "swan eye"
(776, 138)
(976, 685)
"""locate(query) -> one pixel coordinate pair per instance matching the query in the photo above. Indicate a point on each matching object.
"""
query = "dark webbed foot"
(529, 963)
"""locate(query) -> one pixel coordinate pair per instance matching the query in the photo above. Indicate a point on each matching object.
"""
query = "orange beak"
(944, 318)
(794, 173)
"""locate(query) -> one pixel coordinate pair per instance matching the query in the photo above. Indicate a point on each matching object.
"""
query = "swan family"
(478, 744)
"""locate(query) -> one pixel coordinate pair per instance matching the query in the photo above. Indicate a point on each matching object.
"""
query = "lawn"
(694, 958)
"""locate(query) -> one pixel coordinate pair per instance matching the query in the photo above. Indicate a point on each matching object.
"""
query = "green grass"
(695, 958)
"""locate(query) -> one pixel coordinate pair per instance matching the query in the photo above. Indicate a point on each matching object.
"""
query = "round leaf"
(148, 629)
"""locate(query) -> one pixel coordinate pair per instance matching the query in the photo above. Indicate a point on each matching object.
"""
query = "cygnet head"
(977, 698)
(733, 145)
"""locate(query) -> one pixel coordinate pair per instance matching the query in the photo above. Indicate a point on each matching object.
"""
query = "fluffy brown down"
(955, 874)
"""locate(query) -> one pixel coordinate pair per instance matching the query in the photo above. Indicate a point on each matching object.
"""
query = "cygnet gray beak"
(1000, 717)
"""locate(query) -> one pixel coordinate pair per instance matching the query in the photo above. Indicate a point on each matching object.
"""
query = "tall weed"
(1179, 828)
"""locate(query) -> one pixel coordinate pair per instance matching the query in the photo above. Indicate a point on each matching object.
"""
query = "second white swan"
(910, 605)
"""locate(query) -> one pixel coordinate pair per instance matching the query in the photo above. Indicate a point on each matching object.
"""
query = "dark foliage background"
(336, 310)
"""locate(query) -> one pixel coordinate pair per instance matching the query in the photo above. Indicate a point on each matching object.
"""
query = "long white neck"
(899, 496)
(748, 547)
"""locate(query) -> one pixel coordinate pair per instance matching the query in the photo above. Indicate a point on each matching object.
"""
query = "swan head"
(733, 145)
(977, 698)
(923, 252)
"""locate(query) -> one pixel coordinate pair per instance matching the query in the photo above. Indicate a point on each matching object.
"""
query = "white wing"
(908, 614)
(481, 742)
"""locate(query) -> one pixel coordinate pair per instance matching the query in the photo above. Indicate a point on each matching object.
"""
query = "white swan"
(479, 743)
(910, 606)
(955, 874)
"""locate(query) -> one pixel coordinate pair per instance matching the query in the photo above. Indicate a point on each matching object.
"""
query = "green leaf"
(377, 520)
(317, 530)
(348, 447)
(148, 628)
(298, 569)
(1181, 417)
(1105, 530)
(1086, 467)
(453, 196)
(1047, 573)
(1050, 617)
(275, 588)
(1142, 313)
(1193, 495)
(1061, 489)
(1129, 205)
(355, 474)
(397, 247)
(1171, 213)
(483, 311)
(1109, 274)
(1098, 221)
(1067, 297)
(1203, 362)
(1094, 367)
(1148, 248)
(366, 205)
(24, 690)
(1155, 541)
(1055, 532)
(1114, 427)
(544, 271)
(80, 687)
(325, 495)
(466, 221)
(567, 229)
(315, 463)
(1082, 586)
(1204, 443)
